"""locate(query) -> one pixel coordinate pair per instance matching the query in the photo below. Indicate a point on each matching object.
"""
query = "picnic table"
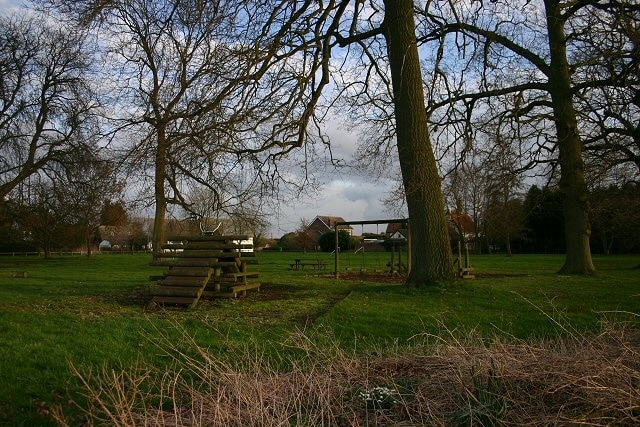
(300, 263)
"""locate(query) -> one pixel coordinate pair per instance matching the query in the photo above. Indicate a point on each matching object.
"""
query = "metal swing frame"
(371, 222)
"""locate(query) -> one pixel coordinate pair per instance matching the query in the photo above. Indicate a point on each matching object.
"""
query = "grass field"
(89, 313)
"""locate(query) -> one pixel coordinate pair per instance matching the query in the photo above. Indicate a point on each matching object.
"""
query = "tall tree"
(209, 87)
(47, 106)
(500, 58)
(432, 260)
(273, 57)
(86, 186)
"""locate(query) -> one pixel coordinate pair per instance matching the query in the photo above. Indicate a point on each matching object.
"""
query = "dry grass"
(592, 380)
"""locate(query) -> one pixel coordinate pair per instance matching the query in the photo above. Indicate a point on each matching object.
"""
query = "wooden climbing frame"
(206, 266)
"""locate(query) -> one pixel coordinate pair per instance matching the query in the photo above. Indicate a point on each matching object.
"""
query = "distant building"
(322, 224)
(396, 230)
(400, 234)
(463, 223)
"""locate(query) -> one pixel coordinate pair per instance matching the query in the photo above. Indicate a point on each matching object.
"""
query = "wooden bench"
(301, 263)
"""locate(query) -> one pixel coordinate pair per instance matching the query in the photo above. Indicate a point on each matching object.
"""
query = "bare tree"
(260, 70)
(86, 186)
(609, 51)
(214, 90)
(501, 56)
(46, 102)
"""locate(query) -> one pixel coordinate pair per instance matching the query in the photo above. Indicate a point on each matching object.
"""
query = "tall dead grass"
(586, 380)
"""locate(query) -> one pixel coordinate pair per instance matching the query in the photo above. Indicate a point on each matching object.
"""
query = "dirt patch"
(274, 292)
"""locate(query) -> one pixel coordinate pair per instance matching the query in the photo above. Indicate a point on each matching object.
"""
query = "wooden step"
(198, 262)
(188, 253)
(189, 271)
(188, 281)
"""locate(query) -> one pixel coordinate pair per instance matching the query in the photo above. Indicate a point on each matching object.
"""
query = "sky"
(349, 196)
(343, 192)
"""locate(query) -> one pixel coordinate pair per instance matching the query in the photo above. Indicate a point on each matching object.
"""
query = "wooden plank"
(222, 279)
(189, 253)
(189, 271)
(199, 262)
(183, 281)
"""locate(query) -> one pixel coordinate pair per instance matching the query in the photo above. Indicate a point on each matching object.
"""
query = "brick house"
(323, 224)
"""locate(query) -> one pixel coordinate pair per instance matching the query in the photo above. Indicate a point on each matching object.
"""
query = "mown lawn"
(90, 313)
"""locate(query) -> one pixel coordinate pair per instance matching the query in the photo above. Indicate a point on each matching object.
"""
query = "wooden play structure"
(208, 266)
(394, 266)
(466, 271)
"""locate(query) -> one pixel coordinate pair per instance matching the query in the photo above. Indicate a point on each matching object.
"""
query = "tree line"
(533, 222)
(204, 107)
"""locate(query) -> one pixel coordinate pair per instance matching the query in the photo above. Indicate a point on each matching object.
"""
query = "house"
(463, 223)
(400, 234)
(396, 230)
(323, 224)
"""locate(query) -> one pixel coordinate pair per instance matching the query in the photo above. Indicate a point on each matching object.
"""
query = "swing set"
(394, 265)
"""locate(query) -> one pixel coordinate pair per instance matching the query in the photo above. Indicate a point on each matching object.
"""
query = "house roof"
(392, 227)
(463, 220)
(401, 233)
(330, 221)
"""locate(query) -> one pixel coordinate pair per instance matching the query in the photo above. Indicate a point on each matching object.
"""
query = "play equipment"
(395, 265)
(372, 222)
(204, 266)
(465, 272)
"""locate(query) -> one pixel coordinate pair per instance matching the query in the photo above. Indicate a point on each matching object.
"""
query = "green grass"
(90, 312)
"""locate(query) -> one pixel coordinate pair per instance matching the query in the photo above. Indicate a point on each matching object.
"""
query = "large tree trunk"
(158, 238)
(432, 261)
(576, 220)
